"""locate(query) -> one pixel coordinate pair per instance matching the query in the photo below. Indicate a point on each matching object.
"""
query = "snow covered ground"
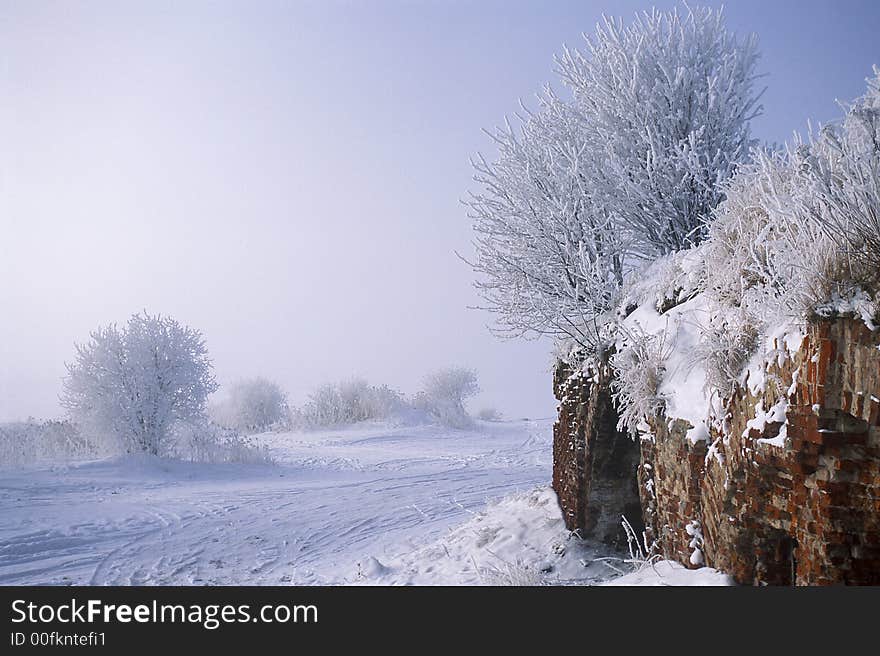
(371, 504)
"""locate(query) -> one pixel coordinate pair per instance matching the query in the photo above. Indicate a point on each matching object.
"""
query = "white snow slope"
(370, 504)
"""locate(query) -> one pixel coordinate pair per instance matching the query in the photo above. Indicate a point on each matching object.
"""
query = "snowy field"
(372, 504)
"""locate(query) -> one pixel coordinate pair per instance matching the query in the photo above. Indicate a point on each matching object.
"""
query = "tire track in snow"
(300, 522)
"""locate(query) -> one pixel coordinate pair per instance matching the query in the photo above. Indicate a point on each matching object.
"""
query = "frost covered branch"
(584, 191)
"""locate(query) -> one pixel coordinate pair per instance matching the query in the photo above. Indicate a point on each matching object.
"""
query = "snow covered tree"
(549, 257)
(132, 384)
(255, 404)
(587, 189)
(669, 99)
(444, 394)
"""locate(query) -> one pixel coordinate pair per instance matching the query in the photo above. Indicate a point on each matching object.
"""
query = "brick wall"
(594, 465)
(806, 512)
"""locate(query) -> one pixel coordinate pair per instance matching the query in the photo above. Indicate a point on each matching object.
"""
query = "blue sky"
(286, 176)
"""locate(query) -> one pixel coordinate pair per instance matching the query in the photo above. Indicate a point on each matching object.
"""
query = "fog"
(286, 177)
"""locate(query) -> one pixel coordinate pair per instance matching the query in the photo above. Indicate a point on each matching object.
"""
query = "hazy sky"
(286, 176)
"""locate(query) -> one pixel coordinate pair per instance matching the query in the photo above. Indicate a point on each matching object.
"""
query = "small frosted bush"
(253, 405)
(489, 414)
(843, 178)
(723, 351)
(800, 227)
(444, 394)
(206, 442)
(347, 402)
(31, 442)
(640, 365)
(765, 256)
